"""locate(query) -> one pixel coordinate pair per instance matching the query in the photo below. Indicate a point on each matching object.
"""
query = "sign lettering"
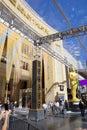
(27, 16)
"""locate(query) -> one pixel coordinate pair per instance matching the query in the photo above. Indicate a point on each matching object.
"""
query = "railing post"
(28, 126)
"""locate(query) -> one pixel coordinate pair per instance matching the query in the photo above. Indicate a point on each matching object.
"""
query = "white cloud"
(73, 9)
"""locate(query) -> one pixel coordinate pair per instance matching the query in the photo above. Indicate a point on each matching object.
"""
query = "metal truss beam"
(74, 32)
(46, 48)
(27, 31)
(8, 17)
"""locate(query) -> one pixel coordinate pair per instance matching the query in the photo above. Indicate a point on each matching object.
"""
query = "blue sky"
(75, 11)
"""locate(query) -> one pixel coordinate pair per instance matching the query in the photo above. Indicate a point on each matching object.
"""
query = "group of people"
(60, 107)
(57, 106)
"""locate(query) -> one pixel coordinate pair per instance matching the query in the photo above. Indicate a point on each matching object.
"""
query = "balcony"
(25, 74)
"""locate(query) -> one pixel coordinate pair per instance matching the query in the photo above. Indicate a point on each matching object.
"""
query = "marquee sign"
(22, 10)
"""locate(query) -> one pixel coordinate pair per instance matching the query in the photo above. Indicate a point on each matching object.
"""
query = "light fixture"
(61, 87)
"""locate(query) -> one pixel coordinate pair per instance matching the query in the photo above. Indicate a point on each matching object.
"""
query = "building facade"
(20, 25)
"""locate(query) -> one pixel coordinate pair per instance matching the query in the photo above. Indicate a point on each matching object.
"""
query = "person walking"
(66, 105)
(57, 98)
(0, 106)
(44, 106)
(57, 110)
(82, 107)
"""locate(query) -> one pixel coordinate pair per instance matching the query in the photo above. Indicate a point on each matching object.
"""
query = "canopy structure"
(82, 72)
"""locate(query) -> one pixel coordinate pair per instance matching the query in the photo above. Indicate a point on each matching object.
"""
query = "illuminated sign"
(27, 15)
(83, 82)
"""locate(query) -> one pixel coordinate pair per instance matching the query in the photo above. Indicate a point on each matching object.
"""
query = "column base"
(36, 115)
(74, 106)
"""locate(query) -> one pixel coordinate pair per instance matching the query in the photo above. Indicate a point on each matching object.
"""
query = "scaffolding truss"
(41, 42)
(74, 32)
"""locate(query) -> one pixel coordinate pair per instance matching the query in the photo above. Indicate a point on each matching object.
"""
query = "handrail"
(28, 122)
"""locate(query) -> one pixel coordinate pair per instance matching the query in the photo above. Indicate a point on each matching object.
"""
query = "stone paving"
(60, 122)
(70, 121)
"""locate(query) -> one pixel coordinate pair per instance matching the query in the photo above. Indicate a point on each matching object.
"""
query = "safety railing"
(16, 123)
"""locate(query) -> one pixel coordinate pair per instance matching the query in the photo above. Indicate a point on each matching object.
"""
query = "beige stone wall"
(54, 74)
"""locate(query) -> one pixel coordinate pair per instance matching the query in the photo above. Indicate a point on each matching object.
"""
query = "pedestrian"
(51, 106)
(56, 104)
(82, 107)
(0, 106)
(66, 105)
(61, 106)
(6, 104)
(57, 98)
(9, 103)
(44, 106)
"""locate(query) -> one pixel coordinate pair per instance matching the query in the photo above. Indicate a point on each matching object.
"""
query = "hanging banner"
(17, 60)
(3, 40)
